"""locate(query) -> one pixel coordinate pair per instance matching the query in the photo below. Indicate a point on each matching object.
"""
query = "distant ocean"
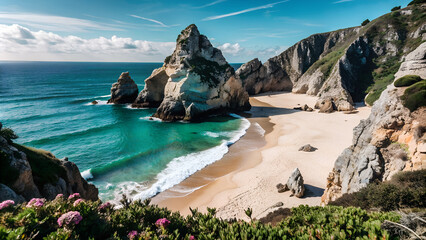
(117, 148)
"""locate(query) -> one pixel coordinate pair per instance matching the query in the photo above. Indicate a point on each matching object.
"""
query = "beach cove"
(248, 174)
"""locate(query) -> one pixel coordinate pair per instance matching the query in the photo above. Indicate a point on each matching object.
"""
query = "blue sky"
(145, 31)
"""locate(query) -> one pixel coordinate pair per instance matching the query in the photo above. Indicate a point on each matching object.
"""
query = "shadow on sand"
(312, 191)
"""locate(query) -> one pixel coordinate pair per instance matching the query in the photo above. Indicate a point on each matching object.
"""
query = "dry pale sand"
(247, 176)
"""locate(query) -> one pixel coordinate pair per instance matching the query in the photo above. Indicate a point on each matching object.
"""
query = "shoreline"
(247, 178)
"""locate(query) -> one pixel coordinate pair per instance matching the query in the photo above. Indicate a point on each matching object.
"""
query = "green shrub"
(407, 80)
(415, 96)
(405, 190)
(331, 222)
(8, 134)
(416, 2)
(365, 22)
(396, 8)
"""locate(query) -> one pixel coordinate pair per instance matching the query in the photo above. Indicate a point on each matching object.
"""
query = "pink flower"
(132, 234)
(104, 206)
(78, 201)
(191, 238)
(162, 222)
(59, 196)
(70, 218)
(6, 203)
(36, 202)
(75, 195)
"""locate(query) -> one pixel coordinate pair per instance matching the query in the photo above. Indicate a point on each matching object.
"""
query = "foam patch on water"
(212, 134)
(148, 118)
(100, 102)
(182, 167)
(129, 106)
(259, 129)
(87, 174)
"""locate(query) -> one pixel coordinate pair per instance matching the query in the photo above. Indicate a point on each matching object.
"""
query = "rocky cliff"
(342, 66)
(194, 81)
(29, 173)
(392, 139)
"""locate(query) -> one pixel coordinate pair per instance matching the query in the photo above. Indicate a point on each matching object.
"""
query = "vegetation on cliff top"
(77, 219)
(407, 80)
(415, 96)
(404, 190)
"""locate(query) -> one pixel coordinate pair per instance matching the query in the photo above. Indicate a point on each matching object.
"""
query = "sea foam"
(182, 167)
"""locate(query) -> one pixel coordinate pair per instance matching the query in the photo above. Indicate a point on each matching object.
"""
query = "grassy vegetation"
(327, 63)
(415, 96)
(406, 189)
(207, 70)
(416, 2)
(407, 80)
(45, 167)
(141, 219)
(396, 8)
(365, 22)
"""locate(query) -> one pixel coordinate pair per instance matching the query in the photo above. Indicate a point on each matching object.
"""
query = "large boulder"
(199, 82)
(8, 194)
(295, 184)
(124, 90)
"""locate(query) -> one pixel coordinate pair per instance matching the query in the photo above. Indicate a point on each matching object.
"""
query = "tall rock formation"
(37, 173)
(194, 81)
(343, 65)
(124, 90)
(392, 139)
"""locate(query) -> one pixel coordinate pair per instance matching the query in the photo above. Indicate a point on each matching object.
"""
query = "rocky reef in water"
(391, 139)
(343, 66)
(194, 82)
(28, 173)
(124, 90)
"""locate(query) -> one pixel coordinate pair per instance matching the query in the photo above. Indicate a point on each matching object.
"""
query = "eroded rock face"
(24, 187)
(389, 141)
(199, 82)
(124, 90)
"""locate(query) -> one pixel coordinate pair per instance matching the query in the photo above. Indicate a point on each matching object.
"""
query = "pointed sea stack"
(124, 90)
(194, 82)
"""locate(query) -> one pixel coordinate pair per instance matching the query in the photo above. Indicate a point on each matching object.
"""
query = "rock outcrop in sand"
(389, 141)
(124, 90)
(339, 66)
(295, 184)
(37, 173)
(194, 81)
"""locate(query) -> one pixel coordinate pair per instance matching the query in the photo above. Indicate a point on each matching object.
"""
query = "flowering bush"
(75, 195)
(69, 219)
(140, 220)
(59, 196)
(162, 222)
(78, 201)
(36, 202)
(104, 206)
(6, 204)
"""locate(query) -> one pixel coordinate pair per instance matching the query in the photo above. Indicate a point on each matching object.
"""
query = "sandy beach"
(248, 174)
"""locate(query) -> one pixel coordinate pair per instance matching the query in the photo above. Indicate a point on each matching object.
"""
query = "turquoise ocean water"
(117, 148)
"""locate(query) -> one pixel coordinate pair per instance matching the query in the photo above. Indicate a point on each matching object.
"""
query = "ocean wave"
(87, 174)
(103, 96)
(211, 134)
(182, 167)
(149, 118)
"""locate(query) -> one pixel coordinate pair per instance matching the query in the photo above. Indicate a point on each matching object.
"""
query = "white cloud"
(56, 23)
(270, 5)
(151, 20)
(342, 1)
(20, 43)
(228, 48)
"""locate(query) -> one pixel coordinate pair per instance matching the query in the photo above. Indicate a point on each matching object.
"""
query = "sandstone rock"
(307, 148)
(8, 194)
(327, 107)
(414, 63)
(25, 186)
(295, 184)
(200, 81)
(153, 93)
(124, 90)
